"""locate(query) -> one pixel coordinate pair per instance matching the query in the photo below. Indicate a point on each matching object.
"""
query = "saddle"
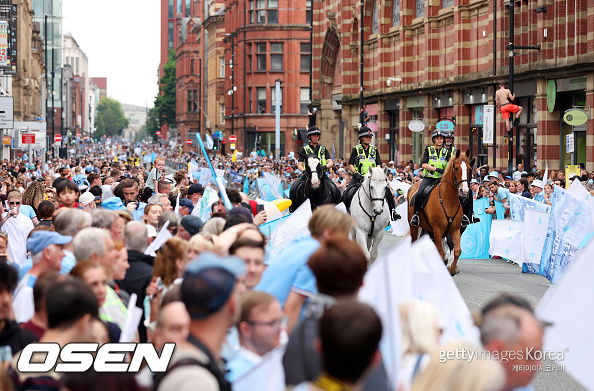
(424, 197)
(348, 194)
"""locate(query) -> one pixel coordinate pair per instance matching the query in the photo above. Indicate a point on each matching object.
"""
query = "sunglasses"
(14, 203)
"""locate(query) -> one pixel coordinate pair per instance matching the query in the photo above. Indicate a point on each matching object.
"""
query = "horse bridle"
(456, 186)
(372, 218)
(458, 183)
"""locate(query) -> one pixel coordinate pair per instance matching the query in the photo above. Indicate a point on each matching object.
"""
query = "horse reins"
(372, 218)
(450, 219)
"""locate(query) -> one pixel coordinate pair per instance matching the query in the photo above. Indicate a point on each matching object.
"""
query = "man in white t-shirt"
(46, 252)
(17, 226)
(518, 173)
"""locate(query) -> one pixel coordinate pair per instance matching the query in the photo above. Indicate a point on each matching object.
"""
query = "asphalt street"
(480, 280)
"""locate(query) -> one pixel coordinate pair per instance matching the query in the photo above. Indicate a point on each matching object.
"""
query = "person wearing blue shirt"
(500, 194)
(536, 189)
(287, 277)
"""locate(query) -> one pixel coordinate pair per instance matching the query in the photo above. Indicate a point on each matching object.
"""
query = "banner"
(569, 224)
(474, 242)
(518, 204)
(488, 122)
(400, 227)
(569, 306)
(505, 237)
(274, 182)
(399, 185)
(410, 272)
(297, 224)
(535, 233)
(203, 208)
(209, 141)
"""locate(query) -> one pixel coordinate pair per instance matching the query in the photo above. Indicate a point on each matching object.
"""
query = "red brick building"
(449, 62)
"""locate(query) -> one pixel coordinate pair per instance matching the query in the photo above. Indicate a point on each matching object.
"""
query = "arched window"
(396, 13)
(375, 23)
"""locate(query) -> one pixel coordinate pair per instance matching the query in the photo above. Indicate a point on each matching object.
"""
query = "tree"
(165, 101)
(151, 125)
(110, 118)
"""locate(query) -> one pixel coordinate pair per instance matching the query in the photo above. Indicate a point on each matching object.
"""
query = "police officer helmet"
(449, 134)
(437, 133)
(364, 131)
(313, 131)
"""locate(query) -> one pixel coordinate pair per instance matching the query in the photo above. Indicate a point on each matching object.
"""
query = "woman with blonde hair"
(420, 332)
(460, 374)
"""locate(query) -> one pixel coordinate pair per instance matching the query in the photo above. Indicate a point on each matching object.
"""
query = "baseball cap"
(196, 188)
(86, 198)
(208, 283)
(187, 203)
(192, 224)
(39, 240)
(474, 181)
(113, 203)
(240, 210)
(508, 177)
(494, 174)
(88, 169)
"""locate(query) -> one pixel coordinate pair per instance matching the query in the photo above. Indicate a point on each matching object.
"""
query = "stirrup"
(465, 221)
(415, 220)
(394, 215)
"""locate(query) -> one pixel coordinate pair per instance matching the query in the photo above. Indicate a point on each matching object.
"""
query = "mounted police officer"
(316, 149)
(465, 201)
(435, 160)
(364, 157)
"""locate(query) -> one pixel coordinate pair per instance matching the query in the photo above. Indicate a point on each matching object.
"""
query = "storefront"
(264, 141)
(475, 100)
(392, 108)
(416, 105)
(526, 131)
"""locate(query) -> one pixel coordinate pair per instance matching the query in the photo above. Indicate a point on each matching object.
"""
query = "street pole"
(53, 80)
(511, 82)
(311, 55)
(277, 120)
(46, 89)
(361, 87)
(232, 82)
(494, 86)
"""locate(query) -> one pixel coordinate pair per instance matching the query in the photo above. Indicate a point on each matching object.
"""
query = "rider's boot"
(475, 219)
(465, 221)
(392, 205)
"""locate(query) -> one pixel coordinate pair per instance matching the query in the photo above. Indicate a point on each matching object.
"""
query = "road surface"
(480, 280)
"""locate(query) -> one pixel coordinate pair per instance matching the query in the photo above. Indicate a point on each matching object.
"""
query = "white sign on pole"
(488, 122)
(569, 142)
(6, 112)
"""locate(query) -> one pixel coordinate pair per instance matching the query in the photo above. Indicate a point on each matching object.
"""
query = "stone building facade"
(444, 59)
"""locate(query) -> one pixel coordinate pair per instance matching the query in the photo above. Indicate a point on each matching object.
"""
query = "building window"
(273, 99)
(222, 70)
(170, 32)
(248, 52)
(308, 11)
(192, 101)
(250, 100)
(251, 12)
(447, 3)
(170, 9)
(188, 8)
(222, 112)
(419, 8)
(260, 11)
(192, 67)
(261, 91)
(272, 11)
(374, 17)
(261, 56)
(396, 13)
(305, 57)
(179, 6)
(304, 100)
(276, 57)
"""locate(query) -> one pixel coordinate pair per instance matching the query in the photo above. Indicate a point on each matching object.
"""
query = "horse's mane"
(450, 165)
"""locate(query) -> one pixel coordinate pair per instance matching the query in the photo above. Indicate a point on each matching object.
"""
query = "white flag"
(294, 226)
(177, 202)
(545, 177)
(267, 375)
(569, 306)
(159, 241)
(209, 142)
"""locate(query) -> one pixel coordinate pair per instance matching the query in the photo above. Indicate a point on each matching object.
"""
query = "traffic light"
(215, 144)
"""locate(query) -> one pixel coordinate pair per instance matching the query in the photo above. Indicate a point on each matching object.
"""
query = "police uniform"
(319, 151)
(364, 159)
(437, 158)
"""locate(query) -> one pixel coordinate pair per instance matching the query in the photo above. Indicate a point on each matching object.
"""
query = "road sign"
(6, 112)
(6, 140)
(223, 141)
(27, 138)
(232, 138)
(57, 138)
(232, 146)
(189, 142)
(158, 132)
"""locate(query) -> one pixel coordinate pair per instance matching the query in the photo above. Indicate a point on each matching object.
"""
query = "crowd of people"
(77, 242)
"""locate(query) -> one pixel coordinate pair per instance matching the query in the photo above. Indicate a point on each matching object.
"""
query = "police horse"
(371, 212)
(315, 186)
(442, 211)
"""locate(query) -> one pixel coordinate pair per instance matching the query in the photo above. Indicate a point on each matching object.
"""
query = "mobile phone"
(259, 208)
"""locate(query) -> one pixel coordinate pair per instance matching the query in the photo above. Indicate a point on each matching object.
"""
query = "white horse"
(371, 212)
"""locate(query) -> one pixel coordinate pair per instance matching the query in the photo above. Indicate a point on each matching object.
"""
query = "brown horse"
(443, 213)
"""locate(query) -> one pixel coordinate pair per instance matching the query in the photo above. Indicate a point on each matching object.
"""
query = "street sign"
(232, 138)
(232, 146)
(158, 132)
(4, 36)
(488, 120)
(6, 140)
(575, 117)
(416, 126)
(223, 141)
(189, 142)
(57, 138)
(569, 143)
(27, 138)
(6, 112)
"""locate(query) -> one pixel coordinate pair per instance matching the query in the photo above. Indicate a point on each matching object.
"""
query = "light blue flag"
(569, 224)
(518, 204)
(333, 150)
(246, 185)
